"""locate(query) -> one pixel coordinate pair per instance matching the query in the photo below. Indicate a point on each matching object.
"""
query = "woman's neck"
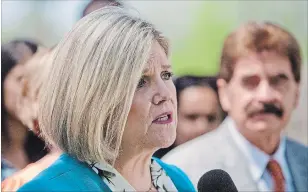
(17, 133)
(51, 157)
(14, 150)
(135, 168)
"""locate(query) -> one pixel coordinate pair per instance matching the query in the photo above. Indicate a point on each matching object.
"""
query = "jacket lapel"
(297, 160)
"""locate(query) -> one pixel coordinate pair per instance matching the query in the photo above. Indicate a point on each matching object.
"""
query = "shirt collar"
(116, 182)
(257, 159)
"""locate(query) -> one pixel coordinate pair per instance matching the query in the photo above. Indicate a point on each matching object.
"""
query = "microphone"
(216, 180)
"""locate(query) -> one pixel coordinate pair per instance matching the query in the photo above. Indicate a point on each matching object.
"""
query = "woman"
(109, 103)
(35, 71)
(19, 146)
(199, 109)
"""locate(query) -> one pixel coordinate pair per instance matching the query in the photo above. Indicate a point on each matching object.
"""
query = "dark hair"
(33, 144)
(8, 62)
(184, 82)
(99, 4)
(253, 37)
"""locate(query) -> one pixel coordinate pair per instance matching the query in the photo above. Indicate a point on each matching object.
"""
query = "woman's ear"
(223, 94)
(27, 105)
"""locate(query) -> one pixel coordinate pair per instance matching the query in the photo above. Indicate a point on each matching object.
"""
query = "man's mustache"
(268, 108)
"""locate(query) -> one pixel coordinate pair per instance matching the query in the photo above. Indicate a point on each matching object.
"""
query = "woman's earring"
(36, 128)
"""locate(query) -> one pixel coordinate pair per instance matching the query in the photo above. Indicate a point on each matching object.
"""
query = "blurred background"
(196, 29)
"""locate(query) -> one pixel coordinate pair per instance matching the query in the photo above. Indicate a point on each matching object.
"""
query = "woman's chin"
(166, 141)
(160, 137)
(166, 144)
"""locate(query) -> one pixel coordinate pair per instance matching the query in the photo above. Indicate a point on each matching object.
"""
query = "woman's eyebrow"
(166, 66)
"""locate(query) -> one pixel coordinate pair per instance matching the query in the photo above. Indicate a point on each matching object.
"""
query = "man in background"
(259, 88)
(298, 126)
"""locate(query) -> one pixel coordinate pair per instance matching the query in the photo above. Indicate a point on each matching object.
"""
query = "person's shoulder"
(49, 184)
(296, 149)
(297, 157)
(53, 178)
(66, 174)
(200, 147)
(15, 181)
(294, 145)
(11, 183)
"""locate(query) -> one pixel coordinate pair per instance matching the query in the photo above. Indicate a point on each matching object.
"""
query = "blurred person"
(108, 104)
(35, 70)
(259, 88)
(199, 110)
(298, 125)
(198, 106)
(19, 146)
(97, 4)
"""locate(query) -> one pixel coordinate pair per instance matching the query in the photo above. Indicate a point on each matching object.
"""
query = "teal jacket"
(69, 174)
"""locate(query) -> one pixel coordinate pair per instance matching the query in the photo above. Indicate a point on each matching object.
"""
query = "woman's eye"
(211, 118)
(192, 117)
(19, 78)
(141, 82)
(167, 75)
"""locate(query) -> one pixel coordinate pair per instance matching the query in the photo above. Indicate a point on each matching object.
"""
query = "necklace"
(152, 187)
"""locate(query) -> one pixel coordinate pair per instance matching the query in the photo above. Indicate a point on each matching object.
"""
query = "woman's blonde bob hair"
(95, 71)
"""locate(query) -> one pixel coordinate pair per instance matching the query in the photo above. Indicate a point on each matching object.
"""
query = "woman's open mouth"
(164, 118)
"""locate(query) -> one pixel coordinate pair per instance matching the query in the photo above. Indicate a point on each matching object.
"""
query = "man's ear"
(297, 95)
(223, 94)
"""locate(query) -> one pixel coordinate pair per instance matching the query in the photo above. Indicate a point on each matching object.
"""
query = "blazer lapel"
(298, 163)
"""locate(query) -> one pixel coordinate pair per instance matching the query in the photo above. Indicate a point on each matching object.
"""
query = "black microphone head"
(216, 180)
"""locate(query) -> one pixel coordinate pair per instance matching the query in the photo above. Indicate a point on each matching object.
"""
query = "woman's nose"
(201, 125)
(161, 93)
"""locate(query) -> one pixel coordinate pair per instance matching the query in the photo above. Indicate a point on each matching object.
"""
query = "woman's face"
(13, 87)
(152, 118)
(16, 98)
(199, 113)
(13, 81)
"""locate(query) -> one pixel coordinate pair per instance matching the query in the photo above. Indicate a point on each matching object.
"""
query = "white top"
(116, 182)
